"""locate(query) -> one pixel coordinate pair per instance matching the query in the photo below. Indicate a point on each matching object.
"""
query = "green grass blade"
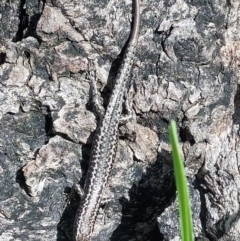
(181, 185)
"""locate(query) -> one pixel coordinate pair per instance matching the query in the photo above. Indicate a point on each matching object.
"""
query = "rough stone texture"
(186, 68)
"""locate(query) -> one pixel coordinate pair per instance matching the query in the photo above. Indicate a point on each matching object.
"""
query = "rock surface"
(186, 68)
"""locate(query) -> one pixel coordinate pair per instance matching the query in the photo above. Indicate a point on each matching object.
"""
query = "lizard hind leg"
(77, 189)
(128, 95)
(97, 100)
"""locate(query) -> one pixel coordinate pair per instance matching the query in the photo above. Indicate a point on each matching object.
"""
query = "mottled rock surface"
(186, 68)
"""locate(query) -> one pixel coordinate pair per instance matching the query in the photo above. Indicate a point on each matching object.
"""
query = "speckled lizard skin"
(105, 143)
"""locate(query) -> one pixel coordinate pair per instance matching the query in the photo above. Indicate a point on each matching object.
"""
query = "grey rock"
(186, 68)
